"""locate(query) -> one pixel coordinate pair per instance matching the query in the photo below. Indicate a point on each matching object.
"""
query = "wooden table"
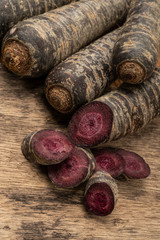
(31, 207)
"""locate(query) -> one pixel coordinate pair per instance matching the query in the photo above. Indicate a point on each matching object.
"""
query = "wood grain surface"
(32, 208)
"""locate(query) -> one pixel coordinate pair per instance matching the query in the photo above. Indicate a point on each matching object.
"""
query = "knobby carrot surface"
(32, 47)
(13, 11)
(83, 76)
(136, 51)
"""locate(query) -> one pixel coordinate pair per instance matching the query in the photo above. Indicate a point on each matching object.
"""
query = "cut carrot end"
(109, 161)
(47, 146)
(135, 165)
(131, 72)
(91, 124)
(101, 194)
(72, 171)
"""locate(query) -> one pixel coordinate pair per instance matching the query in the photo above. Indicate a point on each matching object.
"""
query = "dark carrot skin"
(129, 108)
(74, 170)
(33, 47)
(46, 147)
(136, 51)
(101, 194)
(83, 76)
(16, 10)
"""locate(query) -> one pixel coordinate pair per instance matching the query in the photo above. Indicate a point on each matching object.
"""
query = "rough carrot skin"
(101, 194)
(17, 10)
(82, 77)
(129, 108)
(74, 170)
(136, 51)
(46, 146)
(33, 47)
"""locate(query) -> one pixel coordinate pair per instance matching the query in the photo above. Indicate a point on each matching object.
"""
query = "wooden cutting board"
(31, 207)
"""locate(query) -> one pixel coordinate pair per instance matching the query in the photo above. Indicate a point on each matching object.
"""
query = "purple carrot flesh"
(13, 11)
(101, 194)
(91, 124)
(47, 146)
(82, 77)
(109, 161)
(34, 46)
(135, 165)
(117, 113)
(74, 170)
(136, 51)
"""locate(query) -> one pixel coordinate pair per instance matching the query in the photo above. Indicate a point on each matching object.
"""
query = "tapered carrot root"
(101, 194)
(117, 113)
(74, 170)
(49, 38)
(136, 50)
(46, 146)
(83, 76)
(16, 10)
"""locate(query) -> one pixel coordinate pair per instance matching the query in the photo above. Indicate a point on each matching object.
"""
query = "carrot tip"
(60, 99)
(16, 57)
(131, 72)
